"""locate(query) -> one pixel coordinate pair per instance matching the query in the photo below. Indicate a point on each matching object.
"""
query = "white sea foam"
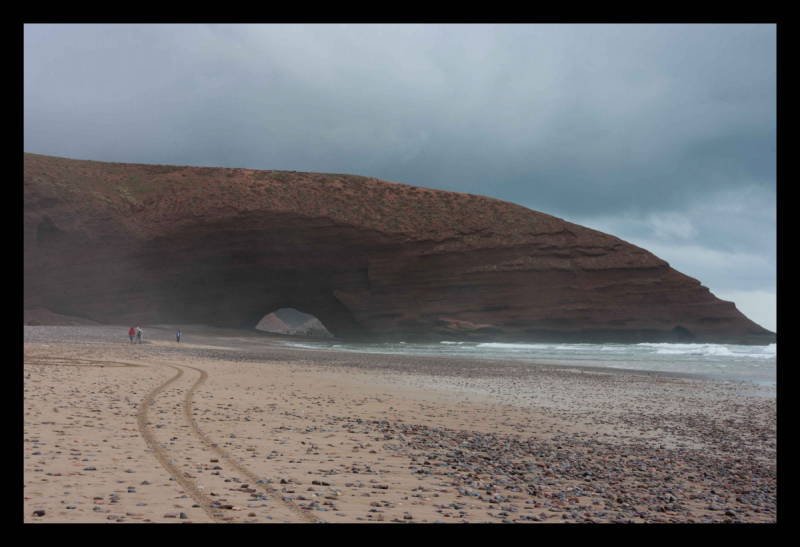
(715, 350)
(760, 361)
(499, 345)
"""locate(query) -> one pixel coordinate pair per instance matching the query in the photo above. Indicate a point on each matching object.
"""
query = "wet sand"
(231, 426)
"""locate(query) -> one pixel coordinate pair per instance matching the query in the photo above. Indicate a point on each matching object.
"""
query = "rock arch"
(371, 259)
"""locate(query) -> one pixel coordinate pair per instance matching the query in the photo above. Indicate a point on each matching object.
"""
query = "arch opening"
(292, 322)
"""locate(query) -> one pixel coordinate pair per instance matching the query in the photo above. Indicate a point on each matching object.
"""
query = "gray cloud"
(664, 134)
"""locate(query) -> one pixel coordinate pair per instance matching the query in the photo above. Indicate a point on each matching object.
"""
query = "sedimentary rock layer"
(129, 243)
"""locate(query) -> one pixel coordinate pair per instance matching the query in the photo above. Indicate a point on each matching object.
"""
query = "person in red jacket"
(132, 333)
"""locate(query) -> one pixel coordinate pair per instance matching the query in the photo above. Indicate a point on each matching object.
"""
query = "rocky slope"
(292, 317)
(272, 323)
(128, 243)
(314, 326)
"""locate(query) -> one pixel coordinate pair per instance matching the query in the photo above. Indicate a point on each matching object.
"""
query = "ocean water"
(717, 359)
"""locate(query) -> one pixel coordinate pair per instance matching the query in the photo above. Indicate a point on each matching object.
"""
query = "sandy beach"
(232, 426)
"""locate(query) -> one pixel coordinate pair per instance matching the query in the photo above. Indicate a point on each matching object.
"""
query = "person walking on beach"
(139, 335)
(132, 333)
(178, 335)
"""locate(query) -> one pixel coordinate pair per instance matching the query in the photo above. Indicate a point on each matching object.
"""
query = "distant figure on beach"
(178, 335)
(139, 335)
(132, 333)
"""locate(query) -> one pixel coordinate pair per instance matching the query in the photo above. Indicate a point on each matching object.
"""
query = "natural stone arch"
(125, 244)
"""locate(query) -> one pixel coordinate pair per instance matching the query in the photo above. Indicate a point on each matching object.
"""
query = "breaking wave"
(715, 350)
(756, 361)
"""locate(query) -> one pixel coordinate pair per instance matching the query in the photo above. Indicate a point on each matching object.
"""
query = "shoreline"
(765, 381)
(603, 369)
(279, 341)
(317, 435)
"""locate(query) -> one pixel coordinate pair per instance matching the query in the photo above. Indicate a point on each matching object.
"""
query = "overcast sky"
(664, 136)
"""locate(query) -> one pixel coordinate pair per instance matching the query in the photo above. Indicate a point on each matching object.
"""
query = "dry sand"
(230, 426)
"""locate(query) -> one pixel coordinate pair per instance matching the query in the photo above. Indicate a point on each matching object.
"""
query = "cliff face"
(125, 243)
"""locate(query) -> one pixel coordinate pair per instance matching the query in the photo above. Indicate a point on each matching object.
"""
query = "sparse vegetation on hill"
(154, 191)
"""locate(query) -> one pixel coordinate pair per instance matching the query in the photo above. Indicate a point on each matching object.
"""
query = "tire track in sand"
(188, 406)
(147, 432)
(142, 416)
(161, 454)
(69, 362)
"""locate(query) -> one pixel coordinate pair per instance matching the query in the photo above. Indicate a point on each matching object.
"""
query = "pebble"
(661, 476)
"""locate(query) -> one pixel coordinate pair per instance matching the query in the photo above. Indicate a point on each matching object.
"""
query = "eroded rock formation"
(146, 244)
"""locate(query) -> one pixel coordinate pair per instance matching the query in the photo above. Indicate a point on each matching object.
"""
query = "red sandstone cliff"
(125, 243)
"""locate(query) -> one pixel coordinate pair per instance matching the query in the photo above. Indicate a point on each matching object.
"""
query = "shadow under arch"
(231, 274)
